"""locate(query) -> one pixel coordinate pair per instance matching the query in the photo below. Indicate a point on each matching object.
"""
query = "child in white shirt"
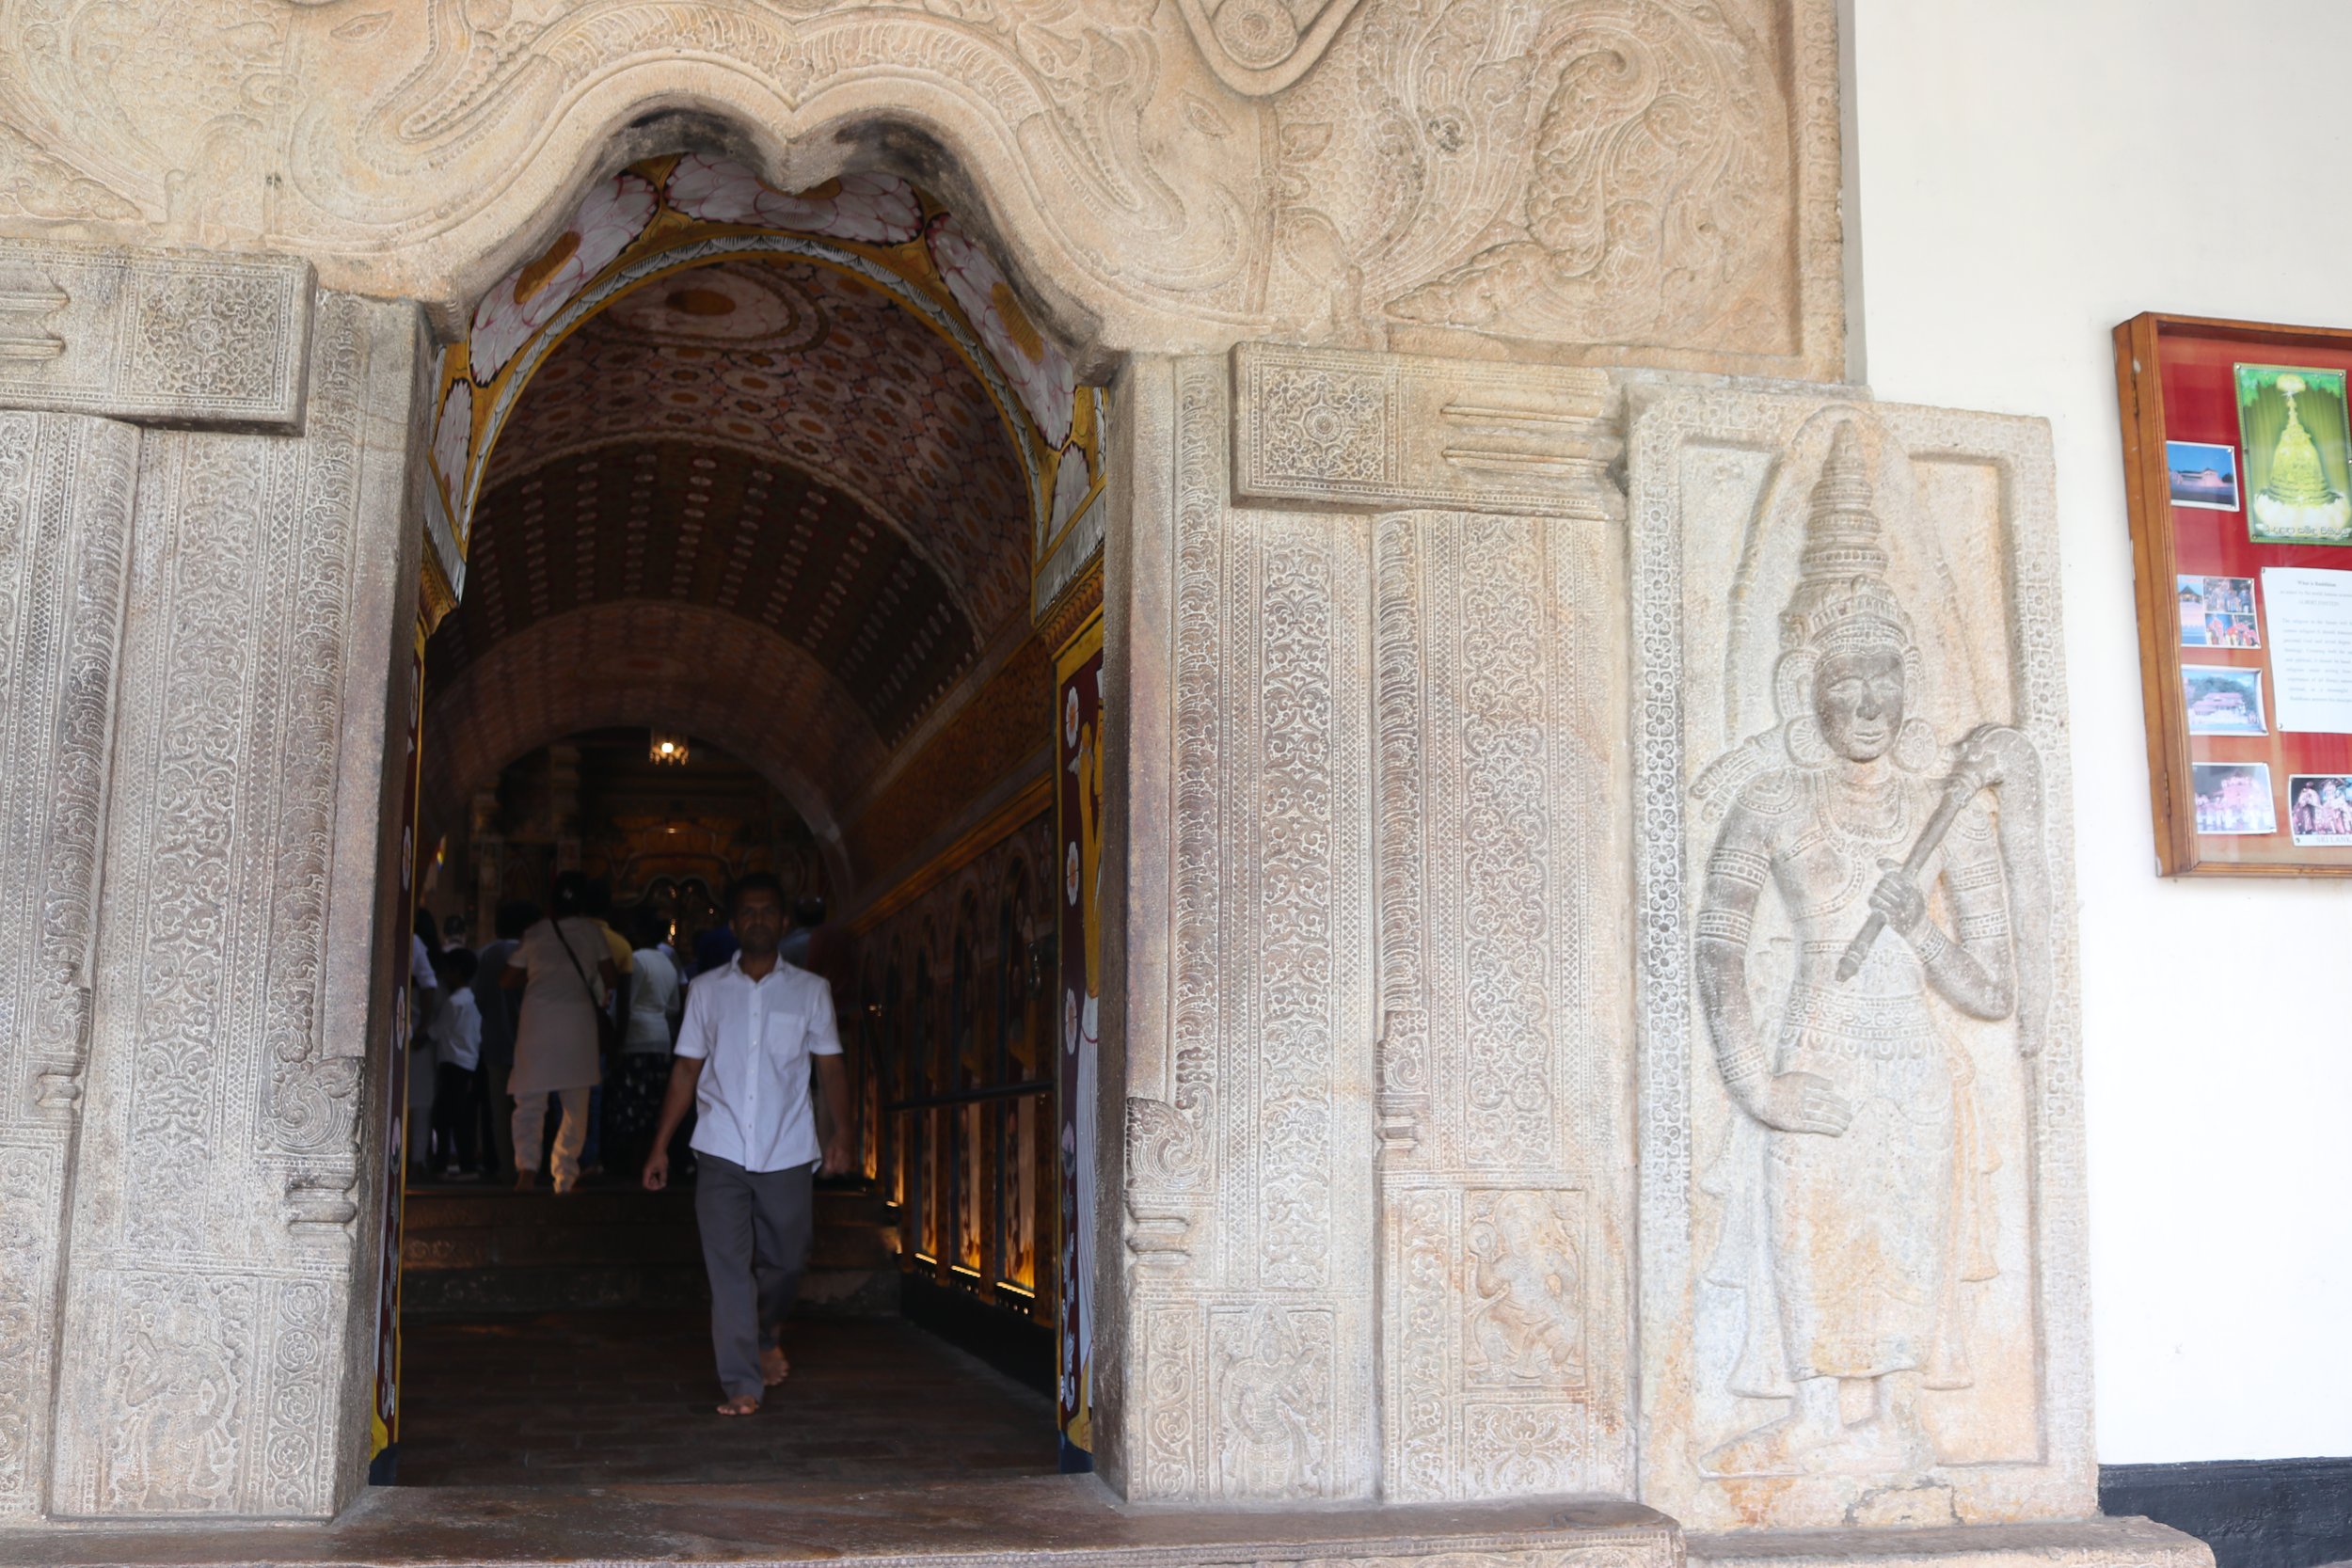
(455, 1033)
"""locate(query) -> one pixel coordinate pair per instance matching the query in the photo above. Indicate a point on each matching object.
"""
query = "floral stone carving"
(1590, 180)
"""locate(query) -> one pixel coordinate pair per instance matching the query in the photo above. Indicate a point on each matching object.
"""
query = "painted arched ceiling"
(807, 366)
(691, 667)
(772, 439)
(644, 520)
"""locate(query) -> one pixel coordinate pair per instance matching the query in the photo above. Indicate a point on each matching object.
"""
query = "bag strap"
(587, 989)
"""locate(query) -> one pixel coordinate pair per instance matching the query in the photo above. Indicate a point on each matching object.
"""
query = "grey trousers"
(756, 1227)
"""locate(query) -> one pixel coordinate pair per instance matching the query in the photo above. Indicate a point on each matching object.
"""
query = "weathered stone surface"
(2127, 1542)
(1387, 430)
(1862, 1190)
(1243, 1356)
(66, 488)
(1505, 1165)
(1034, 1522)
(1389, 747)
(176, 337)
(1594, 180)
(215, 1350)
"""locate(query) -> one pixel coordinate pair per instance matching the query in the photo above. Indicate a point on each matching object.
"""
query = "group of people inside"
(736, 1047)
(559, 1019)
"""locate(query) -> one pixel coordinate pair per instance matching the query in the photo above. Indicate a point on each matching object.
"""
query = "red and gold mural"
(1078, 821)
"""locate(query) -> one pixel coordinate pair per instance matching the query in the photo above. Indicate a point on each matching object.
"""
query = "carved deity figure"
(1524, 1322)
(1856, 1191)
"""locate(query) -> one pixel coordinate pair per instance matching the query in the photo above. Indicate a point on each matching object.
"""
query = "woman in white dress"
(566, 971)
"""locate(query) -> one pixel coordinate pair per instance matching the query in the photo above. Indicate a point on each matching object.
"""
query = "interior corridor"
(768, 506)
(624, 1395)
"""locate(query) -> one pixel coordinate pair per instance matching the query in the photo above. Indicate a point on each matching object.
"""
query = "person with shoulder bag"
(565, 972)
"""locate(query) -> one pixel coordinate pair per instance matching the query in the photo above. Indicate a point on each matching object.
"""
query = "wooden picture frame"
(2206, 545)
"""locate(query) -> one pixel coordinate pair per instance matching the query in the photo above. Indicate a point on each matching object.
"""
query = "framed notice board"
(2237, 465)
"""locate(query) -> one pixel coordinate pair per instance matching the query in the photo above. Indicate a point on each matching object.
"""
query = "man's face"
(759, 920)
(1858, 698)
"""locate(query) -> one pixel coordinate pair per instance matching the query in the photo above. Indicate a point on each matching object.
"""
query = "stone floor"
(624, 1397)
(1028, 1522)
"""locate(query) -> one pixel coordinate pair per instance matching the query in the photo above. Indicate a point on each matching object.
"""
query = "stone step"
(483, 1250)
(1033, 1521)
(2127, 1542)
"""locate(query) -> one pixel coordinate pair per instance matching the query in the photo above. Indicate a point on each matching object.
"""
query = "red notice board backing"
(2237, 467)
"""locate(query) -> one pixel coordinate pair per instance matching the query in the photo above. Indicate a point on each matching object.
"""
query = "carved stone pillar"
(213, 1350)
(1376, 1154)
(1241, 1364)
(66, 487)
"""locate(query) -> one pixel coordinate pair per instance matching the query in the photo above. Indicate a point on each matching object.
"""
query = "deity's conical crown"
(1842, 602)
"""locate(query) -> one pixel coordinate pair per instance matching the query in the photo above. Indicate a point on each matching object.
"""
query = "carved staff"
(1990, 754)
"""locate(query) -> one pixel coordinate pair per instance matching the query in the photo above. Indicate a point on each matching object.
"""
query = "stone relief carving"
(1526, 1324)
(184, 338)
(207, 1362)
(1387, 430)
(1247, 1176)
(1262, 46)
(1502, 1344)
(1271, 1399)
(1862, 1128)
(1851, 1211)
(1661, 182)
(1590, 178)
(66, 488)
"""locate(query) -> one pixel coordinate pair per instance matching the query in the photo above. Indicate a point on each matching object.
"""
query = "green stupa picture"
(2292, 424)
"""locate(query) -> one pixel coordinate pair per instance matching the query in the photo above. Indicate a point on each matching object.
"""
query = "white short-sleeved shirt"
(652, 998)
(456, 1032)
(754, 1040)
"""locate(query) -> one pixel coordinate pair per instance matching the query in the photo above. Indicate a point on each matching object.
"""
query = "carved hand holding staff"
(1993, 756)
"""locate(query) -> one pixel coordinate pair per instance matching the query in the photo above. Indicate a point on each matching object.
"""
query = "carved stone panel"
(1247, 1159)
(66, 487)
(1600, 181)
(1860, 1092)
(212, 1360)
(1506, 1164)
(1387, 430)
(176, 337)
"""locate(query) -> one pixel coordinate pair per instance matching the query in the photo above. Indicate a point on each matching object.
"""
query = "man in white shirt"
(742, 1063)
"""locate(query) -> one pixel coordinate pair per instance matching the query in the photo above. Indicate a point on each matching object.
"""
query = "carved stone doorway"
(796, 482)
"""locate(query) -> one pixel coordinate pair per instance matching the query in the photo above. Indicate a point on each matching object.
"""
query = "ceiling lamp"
(668, 747)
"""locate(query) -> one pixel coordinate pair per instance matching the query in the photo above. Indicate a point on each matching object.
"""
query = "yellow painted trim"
(1079, 606)
(1081, 647)
(984, 835)
(432, 588)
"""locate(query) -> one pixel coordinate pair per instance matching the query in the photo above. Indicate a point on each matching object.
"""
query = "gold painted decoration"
(668, 215)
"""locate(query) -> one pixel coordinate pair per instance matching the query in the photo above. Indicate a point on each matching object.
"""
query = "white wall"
(2032, 172)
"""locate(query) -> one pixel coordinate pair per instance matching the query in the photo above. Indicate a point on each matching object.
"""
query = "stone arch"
(524, 692)
(942, 129)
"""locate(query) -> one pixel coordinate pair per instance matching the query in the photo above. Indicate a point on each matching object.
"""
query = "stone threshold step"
(2117, 1542)
(1027, 1522)
(1043, 1522)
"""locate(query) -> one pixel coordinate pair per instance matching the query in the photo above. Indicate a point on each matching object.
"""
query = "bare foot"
(740, 1404)
(774, 1368)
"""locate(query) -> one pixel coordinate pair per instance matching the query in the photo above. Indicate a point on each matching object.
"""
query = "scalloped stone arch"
(633, 110)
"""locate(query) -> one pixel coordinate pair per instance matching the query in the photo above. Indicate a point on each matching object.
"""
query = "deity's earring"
(1915, 749)
(1804, 738)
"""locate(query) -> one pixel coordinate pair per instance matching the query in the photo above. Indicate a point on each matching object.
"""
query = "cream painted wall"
(2030, 173)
